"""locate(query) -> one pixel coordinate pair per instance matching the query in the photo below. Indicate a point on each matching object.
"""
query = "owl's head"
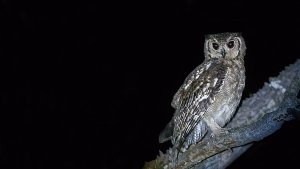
(224, 45)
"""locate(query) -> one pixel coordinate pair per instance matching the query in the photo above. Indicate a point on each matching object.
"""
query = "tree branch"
(258, 117)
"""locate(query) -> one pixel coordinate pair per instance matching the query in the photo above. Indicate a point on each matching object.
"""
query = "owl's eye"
(230, 44)
(215, 46)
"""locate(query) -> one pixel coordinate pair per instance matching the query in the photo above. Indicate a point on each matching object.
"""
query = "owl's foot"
(215, 128)
(219, 131)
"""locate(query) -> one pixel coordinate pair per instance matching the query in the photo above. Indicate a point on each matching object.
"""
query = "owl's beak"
(223, 52)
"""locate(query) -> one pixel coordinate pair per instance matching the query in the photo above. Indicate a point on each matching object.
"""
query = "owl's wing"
(194, 98)
(167, 132)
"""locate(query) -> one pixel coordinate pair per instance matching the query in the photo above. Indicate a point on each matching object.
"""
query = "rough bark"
(258, 117)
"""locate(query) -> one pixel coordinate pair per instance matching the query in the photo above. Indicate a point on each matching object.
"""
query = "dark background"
(89, 85)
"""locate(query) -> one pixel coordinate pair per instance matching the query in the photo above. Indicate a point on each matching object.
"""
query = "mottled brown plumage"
(210, 94)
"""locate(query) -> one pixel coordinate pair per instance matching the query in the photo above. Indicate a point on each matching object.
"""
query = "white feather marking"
(202, 98)
(196, 117)
(187, 85)
(198, 73)
(215, 81)
(206, 87)
(207, 66)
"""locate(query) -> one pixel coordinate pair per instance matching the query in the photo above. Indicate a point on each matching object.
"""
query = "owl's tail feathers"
(167, 132)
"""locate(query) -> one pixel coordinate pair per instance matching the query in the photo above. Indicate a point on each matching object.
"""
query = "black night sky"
(89, 85)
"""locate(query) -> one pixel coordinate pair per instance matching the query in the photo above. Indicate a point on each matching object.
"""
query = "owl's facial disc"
(224, 46)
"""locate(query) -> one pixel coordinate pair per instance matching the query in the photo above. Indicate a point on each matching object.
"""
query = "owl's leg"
(215, 128)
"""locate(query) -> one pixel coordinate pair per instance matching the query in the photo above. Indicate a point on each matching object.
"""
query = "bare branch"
(258, 117)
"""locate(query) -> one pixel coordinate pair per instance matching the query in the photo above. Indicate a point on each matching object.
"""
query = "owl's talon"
(219, 132)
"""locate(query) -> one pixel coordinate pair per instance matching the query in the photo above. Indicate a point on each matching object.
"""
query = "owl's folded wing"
(167, 132)
(195, 99)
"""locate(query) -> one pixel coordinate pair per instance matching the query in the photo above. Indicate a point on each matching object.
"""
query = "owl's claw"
(220, 131)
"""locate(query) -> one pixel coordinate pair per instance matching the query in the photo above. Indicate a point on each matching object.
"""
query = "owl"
(210, 94)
